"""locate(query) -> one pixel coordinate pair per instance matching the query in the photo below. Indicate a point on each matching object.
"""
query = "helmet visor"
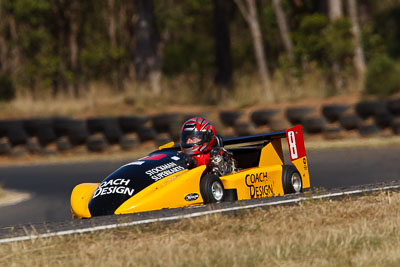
(190, 138)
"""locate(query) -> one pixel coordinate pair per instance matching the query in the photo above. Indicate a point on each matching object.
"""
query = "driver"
(197, 140)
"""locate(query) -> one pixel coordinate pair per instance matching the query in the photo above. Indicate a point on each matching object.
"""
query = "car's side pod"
(272, 154)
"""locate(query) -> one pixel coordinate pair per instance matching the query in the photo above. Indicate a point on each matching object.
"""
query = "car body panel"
(158, 181)
(169, 192)
(80, 197)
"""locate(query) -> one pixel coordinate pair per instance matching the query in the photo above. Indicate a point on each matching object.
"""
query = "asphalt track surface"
(51, 185)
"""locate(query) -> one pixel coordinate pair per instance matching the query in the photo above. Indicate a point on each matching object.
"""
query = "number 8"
(292, 145)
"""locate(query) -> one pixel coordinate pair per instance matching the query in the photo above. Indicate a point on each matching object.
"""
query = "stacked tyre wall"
(48, 136)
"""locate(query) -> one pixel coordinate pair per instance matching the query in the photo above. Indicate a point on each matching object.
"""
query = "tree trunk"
(223, 77)
(336, 12)
(3, 43)
(130, 32)
(283, 28)
(335, 9)
(358, 59)
(15, 52)
(147, 54)
(111, 24)
(250, 15)
(73, 46)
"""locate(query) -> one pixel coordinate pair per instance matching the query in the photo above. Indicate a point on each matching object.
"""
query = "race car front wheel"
(211, 189)
(291, 180)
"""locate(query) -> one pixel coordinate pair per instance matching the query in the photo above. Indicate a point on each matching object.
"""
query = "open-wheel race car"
(253, 168)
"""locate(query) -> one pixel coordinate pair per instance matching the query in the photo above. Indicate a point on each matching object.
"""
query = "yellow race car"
(248, 167)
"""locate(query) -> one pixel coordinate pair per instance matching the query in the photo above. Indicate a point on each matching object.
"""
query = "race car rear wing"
(254, 138)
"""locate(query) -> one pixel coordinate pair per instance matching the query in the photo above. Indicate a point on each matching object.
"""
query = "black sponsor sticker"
(192, 197)
(258, 186)
(305, 164)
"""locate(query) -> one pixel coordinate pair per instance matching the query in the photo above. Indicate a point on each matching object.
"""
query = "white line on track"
(191, 215)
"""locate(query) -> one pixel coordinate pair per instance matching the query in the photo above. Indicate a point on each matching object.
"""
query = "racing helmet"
(197, 136)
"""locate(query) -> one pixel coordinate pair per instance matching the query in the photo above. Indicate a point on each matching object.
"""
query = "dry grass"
(360, 231)
(103, 100)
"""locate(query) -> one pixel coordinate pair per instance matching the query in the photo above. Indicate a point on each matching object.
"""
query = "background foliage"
(37, 38)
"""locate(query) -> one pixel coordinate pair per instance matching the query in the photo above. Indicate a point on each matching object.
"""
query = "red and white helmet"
(197, 136)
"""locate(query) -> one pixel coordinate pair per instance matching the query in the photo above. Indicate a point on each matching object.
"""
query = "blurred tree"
(335, 12)
(3, 42)
(249, 12)
(382, 77)
(147, 52)
(358, 59)
(74, 21)
(223, 77)
(283, 28)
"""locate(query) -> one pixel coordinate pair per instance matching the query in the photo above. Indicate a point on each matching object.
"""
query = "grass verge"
(356, 231)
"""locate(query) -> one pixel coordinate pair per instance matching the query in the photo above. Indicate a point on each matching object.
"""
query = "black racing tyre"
(332, 132)
(78, 132)
(130, 124)
(46, 135)
(97, 143)
(34, 125)
(16, 134)
(229, 118)
(366, 109)
(18, 151)
(350, 121)
(263, 117)
(332, 112)
(107, 126)
(279, 124)
(163, 139)
(95, 125)
(33, 145)
(211, 189)
(3, 128)
(393, 106)
(62, 125)
(146, 134)
(129, 142)
(296, 115)
(175, 129)
(244, 128)
(396, 127)
(162, 122)
(368, 130)
(14, 131)
(314, 125)
(63, 144)
(112, 134)
(291, 180)
(384, 119)
(5, 147)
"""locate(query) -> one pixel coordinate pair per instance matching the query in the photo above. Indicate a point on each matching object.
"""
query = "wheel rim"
(296, 182)
(217, 191)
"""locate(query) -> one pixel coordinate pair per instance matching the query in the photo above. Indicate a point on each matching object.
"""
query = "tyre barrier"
(296, 115)
(332, 113)
(366, 109)
(263, 117)
(229, 118)
(48, 136)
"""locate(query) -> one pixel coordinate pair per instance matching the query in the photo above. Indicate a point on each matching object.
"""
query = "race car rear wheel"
(291, 180)
(211, 189)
